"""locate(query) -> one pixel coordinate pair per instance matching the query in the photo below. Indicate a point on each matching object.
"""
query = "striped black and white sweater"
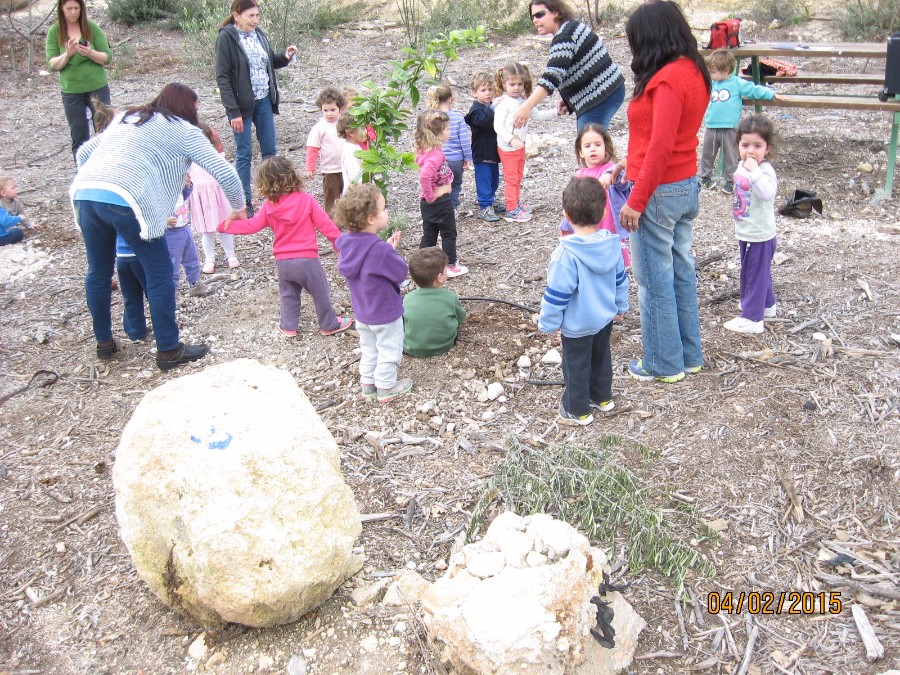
(580, 68)
(146, 166)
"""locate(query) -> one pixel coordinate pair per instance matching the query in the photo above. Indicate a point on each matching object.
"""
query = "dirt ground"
(786, 442)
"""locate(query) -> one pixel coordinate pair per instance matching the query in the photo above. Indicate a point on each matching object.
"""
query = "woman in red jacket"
(671, 93)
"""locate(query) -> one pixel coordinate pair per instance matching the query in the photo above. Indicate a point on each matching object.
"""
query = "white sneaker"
(741, 325)
(768, 312)
(456, 270)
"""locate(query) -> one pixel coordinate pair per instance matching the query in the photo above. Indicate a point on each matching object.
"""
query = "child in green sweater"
(431, 315)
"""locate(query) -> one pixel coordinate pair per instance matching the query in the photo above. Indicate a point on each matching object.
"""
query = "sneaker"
(728, 187)
(183, 354)
(456, 270)
(636, 370)
(499, 208)
(604, 406)
(208, 267)
(343, 324)
(105, 350)
(707, 183)
(525, 208)
(387, 395)
(369, 391)
(201, 290)
(693, 370)
(768, 312)
(287, 333)
(517, 216)
(250, 210)
(233, 262)
(741, 325)
(571, 420)
(487, 215)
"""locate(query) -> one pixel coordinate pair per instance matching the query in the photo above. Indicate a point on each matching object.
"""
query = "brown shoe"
(183, 354)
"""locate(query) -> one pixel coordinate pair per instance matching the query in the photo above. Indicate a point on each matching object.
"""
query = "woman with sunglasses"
(589, 82)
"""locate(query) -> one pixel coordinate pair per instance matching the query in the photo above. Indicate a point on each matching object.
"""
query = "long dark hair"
(658, 34)
(83, 24)
(560, 6)
(175, 100)
(237, 7)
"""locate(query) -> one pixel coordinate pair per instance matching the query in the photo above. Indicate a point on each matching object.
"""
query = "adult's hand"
(71, 46)
(629, 218)
(291, 51)
(237, 125)
(618, 169)
(523, 114)
(562, 108)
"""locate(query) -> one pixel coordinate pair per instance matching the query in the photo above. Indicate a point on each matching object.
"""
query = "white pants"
(382, 352)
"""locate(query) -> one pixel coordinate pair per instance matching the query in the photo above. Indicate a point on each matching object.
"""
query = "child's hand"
(606, 180)
(171, 220)
(394, 239)
(310, 174)
(466, 165)
(617, 318)
(517, 143)
(751, 164)
(223, 226)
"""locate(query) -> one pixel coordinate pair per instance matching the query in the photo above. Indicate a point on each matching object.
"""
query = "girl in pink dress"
(208, 208)
(597, 157)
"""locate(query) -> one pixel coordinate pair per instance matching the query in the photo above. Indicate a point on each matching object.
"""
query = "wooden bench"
(825, 78)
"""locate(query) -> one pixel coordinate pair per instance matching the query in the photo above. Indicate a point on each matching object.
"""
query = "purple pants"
(304, 274)
(183, 252)
(757, 291)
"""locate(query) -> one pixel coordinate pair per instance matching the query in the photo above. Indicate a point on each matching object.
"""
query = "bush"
(425, 20)
(871, 20)
(782, 11)
(133, 12)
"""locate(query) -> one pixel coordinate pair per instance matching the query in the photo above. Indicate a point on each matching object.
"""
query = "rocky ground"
(786, 443)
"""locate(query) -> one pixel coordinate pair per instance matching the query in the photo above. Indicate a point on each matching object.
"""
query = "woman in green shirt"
(77, 49)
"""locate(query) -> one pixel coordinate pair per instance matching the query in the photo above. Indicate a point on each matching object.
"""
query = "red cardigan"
(662, 129)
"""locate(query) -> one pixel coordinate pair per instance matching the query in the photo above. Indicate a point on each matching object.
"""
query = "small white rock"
(552, 358)
(524, 361)
(266, 662)
(495, 390)
(369, 643)
(486, 565)
(819, 337)
(198, 648)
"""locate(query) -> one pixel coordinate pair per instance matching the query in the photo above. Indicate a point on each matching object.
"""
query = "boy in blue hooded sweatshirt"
(587, 289)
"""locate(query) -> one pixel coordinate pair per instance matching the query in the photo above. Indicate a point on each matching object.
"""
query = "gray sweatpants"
(304, 274)
(713, 139)
(382, 351)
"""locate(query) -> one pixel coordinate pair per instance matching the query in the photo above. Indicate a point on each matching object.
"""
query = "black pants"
(438, 218)
(587, 371)
(76, 106)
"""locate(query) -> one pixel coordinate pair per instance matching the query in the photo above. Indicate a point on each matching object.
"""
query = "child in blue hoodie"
(587, 289)
(9, 233)
(373, 270)
(723, 114)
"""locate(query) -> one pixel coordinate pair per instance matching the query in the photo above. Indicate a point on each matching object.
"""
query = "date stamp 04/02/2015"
(797, 603)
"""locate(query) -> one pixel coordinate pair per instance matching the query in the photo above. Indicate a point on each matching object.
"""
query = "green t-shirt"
(80, 75)
(431, 318)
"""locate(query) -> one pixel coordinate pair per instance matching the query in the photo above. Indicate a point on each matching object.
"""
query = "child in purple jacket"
(373, 270)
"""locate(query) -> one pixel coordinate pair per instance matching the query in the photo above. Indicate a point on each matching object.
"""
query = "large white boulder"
(519, 601)
(230, 498)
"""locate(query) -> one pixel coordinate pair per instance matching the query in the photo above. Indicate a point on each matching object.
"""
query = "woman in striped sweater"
(589, 82)
(128, 180)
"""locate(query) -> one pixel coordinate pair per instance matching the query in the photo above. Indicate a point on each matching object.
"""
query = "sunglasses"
(539, 15)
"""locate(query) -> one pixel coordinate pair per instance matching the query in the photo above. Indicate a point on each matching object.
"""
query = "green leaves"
(386, 107)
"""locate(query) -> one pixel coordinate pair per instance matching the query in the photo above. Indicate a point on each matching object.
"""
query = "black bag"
(801, 205)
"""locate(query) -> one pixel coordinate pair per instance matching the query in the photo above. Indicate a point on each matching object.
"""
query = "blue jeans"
(602, 113)
(667, 283)
(265, 136)
(487, 180)
(456, 166)
(13, 236)
(133, 284)
(99, 224)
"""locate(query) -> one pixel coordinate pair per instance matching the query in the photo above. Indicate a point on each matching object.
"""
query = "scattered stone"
(809, 404)
(488, 617)
(494, 390)
(369, 643)
(406, 589)
(215, 659)
(370, 593)
(524, 361)
(198, 648)
(819, 337)
(552, 358)
(266, 662)
(296, 665)
(233, 507)
(865, 167)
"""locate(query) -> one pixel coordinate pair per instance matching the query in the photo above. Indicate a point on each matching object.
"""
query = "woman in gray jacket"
(245, 73)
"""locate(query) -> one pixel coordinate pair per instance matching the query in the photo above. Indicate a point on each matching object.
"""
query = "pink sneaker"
(287, 333)
(234, 262)
(343, 324)
(456, 270)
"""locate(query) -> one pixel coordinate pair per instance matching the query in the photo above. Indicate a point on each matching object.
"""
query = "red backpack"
(725, 34)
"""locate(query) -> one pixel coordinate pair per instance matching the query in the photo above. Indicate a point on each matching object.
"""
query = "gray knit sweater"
(146, 166)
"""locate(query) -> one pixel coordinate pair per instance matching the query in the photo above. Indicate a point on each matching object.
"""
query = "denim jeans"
(13, 236)
(133, 284)
(99, 224)
(456, 166)
(265, 136)
(76, 107)
(602, 113)
(487, 179)
(663, 267)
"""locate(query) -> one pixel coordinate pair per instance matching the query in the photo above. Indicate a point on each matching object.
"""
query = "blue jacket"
(373, 270)
(586, 285)
(7, 221)
(726, 101)
(484, 138)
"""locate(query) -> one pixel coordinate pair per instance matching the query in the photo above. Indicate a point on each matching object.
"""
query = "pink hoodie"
(294, 219)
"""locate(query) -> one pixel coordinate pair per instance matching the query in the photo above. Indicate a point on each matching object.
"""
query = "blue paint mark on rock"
(215, 440)
(195, 439)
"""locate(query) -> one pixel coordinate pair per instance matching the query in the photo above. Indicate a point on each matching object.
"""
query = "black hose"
(506, 302)
(546, 383)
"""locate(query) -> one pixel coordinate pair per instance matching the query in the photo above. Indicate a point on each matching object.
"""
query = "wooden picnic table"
(857, 50)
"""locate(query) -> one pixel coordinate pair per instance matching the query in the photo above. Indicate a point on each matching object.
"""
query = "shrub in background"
(871, 20)
(782, 11)
(425, 20)
(134, 12)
